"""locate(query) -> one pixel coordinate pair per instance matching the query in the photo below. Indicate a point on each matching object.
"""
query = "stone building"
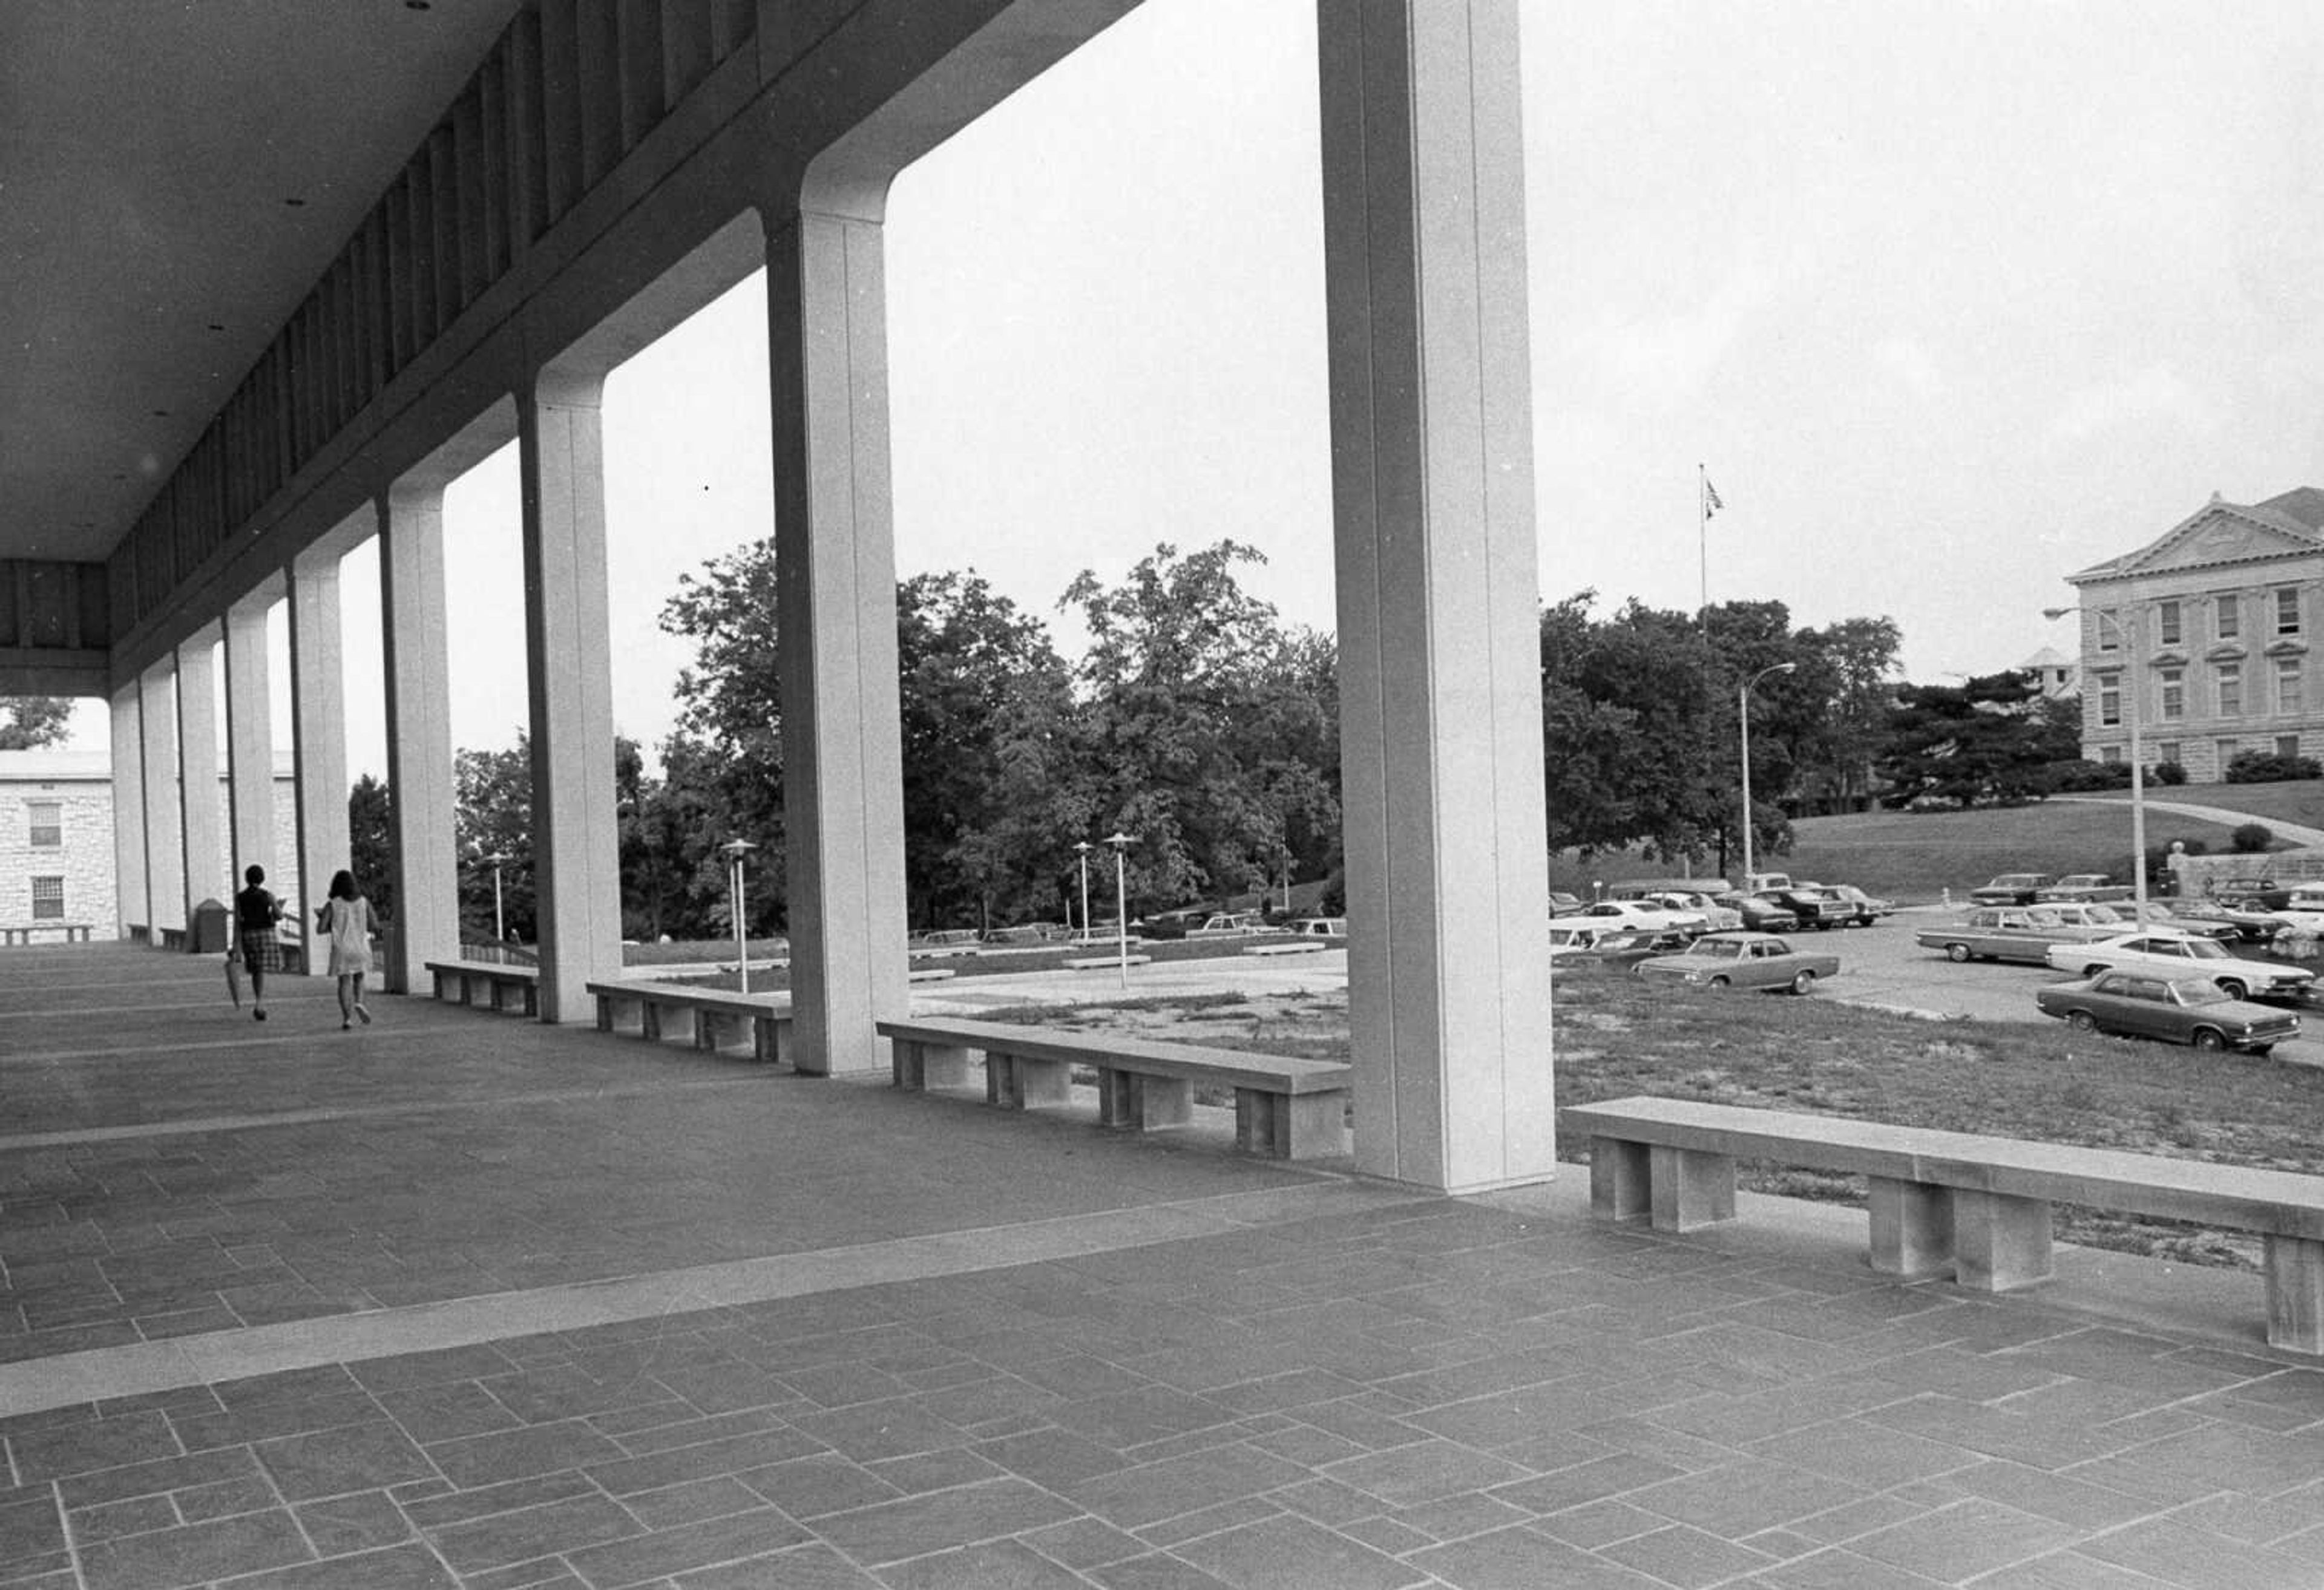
(2203, 641)
(57, 854)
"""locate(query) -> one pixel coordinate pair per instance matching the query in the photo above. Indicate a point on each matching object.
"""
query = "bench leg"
(1619, 1180)
(604, 1014)
(1134, 1103)
(1999, 1242)
(531, 997)
(917, 1066)
(1313, 1125)
(770, 1039)
(439, 983)
(1911, 1227)
(2295, 1294)
(1690, 1188)
(1042, 1082)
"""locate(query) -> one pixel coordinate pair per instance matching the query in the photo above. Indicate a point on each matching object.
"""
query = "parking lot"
(1884, 968)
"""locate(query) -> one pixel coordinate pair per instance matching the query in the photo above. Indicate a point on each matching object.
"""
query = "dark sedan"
(1816, 908)
(2186, 1010)
(1760, 915)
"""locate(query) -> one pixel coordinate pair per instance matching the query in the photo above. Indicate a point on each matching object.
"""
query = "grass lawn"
(1616, 1036)
(983, 963)
(2301, 802)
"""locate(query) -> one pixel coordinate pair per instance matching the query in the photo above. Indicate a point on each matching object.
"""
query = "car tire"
(2233, 988)
(1720, 983)
(1803, 981)
(2081, 1021)
(2260, 1051)
(1957, 953)
(2210, 1039)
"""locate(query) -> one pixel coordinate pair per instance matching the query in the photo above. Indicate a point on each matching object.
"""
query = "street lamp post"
(736, 849)
(2131, 686)
(1082, 849)
(496, 860)
(1743, 714)
(1121, 842)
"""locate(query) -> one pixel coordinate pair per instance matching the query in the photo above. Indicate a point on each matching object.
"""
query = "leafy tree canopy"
(28, 722)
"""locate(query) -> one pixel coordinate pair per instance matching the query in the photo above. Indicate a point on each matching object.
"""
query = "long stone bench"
(707, 1018)
(1951, 1201)
(1285, 1108)
(504, 985)
(70, 933)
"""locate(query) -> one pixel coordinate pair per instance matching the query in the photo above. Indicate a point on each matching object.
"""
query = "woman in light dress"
(346, 917)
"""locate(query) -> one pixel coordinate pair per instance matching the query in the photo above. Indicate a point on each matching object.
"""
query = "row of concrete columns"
(1436, 589)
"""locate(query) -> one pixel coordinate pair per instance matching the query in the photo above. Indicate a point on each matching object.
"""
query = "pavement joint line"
(201, 1126)
(272, 1040)
(35, 1385)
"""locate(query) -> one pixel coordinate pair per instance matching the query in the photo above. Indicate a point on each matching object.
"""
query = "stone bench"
(1977, 1206)
(1288, 947)
(707, 1018)
(70, 932)
(504, 985)
(1285, 1108)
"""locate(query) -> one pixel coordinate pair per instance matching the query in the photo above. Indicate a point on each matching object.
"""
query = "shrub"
(2169, 773)
(2251, 839)
(2258, 767)
(2073, 777)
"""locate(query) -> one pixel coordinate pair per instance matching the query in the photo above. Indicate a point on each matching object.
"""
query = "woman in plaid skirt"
(256, 913)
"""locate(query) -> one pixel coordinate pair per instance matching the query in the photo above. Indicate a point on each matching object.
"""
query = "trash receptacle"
(210, 929)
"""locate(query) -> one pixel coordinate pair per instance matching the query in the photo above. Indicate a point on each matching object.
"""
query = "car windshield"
(2197, 991)
(2208, 950)
(1719, 949)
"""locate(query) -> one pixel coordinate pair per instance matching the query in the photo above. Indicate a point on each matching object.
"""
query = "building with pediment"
(2204, 640)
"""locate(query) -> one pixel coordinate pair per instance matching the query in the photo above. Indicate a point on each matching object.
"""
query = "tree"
(371, 847)
(1983, 742)
(1854, 658)
(492, 794)
(28, 722)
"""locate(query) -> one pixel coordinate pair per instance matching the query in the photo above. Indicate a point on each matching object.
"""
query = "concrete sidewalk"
(463, 1299)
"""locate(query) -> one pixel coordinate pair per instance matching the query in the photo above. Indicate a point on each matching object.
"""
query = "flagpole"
(1702, 540)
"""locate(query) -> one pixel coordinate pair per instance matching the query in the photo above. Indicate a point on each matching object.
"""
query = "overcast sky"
(1952, 299)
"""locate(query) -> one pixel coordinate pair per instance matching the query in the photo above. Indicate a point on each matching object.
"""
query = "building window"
(2287, 611)
(2109, 699)
(2109, 632)
(48, 823)
(2227, 754)
(2174, 693)
(2231, 689)
(2230, 618)
(2111, 754)
(2167, 621)
(2287, 745)
(48, 899)
(2168, 751)
(2289, 696)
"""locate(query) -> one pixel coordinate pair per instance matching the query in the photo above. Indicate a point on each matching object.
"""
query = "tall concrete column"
(835, 597)
(165, 838)
(124, 711)
(319, 739)
(1437, 592)
(419, 734)
(576, 836)
(200, 800)
(249, 741)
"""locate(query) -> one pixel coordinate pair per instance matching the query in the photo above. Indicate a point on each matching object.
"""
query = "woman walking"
(256, 913)
(346, 917)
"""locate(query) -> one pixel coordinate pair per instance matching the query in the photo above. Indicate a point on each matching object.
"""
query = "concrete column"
(1437, 592)
(319, 739)
(427, 925)
(835, 594)
(576, 842)
(125, 711)
(165, 839)
(250, 743)
(200, 804)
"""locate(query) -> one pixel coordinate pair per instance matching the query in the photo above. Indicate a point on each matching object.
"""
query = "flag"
(1710, 502)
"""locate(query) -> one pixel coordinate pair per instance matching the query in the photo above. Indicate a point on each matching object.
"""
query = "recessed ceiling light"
(215, 326)
(415, 4)
(295, 202)
(160, 414)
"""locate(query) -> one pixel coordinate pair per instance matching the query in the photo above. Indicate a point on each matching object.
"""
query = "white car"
(1643, 917)
(2174, 955)
(1718, 918)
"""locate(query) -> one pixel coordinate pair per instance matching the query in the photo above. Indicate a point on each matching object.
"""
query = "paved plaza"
(462, 1299)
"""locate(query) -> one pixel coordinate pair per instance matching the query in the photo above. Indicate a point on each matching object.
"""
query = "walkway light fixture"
(2132, 685)
(1082, 849)
(736, 849)
(1121, 842)
(1743, 713)
(496, 860)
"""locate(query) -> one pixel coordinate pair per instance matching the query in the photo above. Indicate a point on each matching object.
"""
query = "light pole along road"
(1743, 713)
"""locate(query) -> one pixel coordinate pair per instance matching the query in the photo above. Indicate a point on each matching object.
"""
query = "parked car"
(1168, 925)
(1030, 934)
(2162, 953)
(2184, 1010)
(2086, 885)
(1317, 927)
(1229, 924)
(1814, 908)
(1610, 943)
(1743, 961)
(2012, 889)
(1653, 919)
(1562, 904)
(2025, 934)
(1715, 917)
(2210, 922)
(944, 940)
(2250, 893)
(1869, 908)
(1759, 914)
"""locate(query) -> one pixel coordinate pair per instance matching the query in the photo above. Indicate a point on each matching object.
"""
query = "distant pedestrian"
(346, 917)
(256, 913)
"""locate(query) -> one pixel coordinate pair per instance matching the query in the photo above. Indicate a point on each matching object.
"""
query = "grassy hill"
(1914, 856)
